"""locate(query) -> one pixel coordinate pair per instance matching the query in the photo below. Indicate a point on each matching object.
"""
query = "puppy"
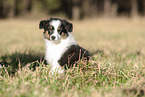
(62, 51)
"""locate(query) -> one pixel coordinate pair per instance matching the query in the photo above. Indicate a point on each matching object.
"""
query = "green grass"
(118, 68)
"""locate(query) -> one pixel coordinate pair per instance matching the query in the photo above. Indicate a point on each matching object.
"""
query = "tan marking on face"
(46, 35)
(64, 35)
(58, 29)
(51, 28)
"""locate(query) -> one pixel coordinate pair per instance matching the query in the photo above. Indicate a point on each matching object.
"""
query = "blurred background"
(72, 9)
(107, 25)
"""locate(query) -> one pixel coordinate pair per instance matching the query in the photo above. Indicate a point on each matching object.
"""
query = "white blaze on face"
(55, 24)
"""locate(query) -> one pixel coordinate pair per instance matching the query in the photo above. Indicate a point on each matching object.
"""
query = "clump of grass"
(102, 76)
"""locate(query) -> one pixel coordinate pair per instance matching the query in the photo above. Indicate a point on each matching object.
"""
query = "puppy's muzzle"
(53, 37)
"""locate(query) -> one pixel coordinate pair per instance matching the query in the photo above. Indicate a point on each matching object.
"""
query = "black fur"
(43, 24)
(68, 26)
(72, 55)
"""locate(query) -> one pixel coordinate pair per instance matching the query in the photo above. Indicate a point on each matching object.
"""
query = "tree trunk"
(86, 8)
(134, 10)
(7, 8)
(67, 5)
(114, 8)
(22, 7)
(107, 8)
(11, 9)
(94, 7)
(144, 7)
(76, 9)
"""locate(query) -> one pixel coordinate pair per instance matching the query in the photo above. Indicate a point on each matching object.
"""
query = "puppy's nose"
(52, 37)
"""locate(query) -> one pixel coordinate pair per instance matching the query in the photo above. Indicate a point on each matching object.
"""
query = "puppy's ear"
(68, 26)
(42, 24)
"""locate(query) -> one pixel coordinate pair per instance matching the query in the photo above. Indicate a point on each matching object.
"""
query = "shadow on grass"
(18, 60)
(134, 91)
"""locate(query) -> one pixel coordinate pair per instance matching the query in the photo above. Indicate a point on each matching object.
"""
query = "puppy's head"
(55, 29)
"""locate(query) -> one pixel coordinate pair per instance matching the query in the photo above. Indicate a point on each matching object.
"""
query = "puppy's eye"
(58, 29)
(51, 28)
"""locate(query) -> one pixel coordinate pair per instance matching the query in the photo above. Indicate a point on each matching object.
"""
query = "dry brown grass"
(121, 65)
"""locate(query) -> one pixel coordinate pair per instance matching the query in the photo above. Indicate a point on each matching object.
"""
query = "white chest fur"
(55, 51)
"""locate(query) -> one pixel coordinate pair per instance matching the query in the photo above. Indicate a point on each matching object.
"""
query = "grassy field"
(118, 69)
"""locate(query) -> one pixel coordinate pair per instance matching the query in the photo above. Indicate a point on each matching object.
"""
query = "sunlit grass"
(118, 68)
(101, 76)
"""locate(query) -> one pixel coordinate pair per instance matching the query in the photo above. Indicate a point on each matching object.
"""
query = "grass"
(118, 69)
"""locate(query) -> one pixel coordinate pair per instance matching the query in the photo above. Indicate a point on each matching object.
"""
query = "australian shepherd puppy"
(61, 48)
